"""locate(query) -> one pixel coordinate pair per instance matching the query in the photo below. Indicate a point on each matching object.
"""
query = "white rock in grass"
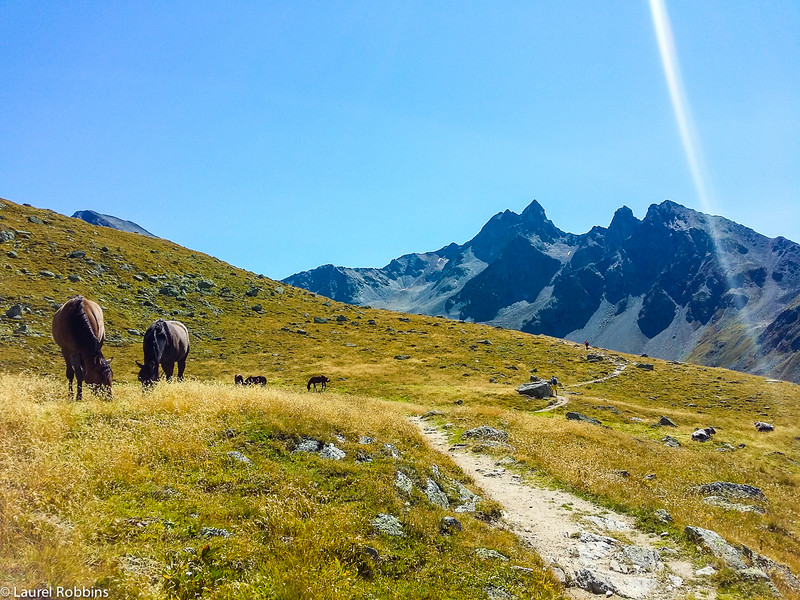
(332, 452)
(435, 494)
(308, 445)
(403, 481)
(239, 457)
(388, 524)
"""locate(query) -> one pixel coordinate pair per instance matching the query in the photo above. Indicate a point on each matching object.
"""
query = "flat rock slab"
(718, 546)
(576, 416)
(484, 432)
(731, 491)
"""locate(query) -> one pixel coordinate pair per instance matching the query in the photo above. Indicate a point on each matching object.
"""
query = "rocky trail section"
(620, 364)
(590, 549)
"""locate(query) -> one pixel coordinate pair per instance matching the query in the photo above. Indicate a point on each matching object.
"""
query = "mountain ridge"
(675, 284)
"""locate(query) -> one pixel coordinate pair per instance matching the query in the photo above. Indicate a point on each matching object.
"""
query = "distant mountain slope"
(96, 218)
(677, 284)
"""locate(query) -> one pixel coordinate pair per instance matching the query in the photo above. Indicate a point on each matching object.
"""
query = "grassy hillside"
(126, 495)
(92, 480)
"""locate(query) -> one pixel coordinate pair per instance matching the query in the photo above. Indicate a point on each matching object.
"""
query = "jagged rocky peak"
(534, 216)
(623, 225)
(674, 215)
(536, 222)
(502, 228)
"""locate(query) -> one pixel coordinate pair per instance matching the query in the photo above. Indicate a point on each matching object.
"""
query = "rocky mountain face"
(95, 218)
(677, 284)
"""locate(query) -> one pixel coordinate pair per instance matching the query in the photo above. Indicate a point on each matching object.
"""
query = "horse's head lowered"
(98, 375)
(148, 373)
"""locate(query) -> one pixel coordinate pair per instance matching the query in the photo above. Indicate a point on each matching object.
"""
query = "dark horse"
(252, 380)
(79, 331)
(315, 380)
(165, 343)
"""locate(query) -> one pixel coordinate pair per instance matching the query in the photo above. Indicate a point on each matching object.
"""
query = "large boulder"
(703, 435)
(536, 389)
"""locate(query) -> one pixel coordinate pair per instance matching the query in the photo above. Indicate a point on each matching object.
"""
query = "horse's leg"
(168, 367)
(77, 367)
(70, 377)
(181, 367)
(70, 371)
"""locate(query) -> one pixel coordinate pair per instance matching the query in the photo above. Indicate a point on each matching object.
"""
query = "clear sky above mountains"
(279, 136)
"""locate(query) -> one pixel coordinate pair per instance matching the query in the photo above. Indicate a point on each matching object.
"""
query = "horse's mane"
(82, 329)
(159, 327)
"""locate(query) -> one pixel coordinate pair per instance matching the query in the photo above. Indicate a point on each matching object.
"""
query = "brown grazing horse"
(165, 343)
(79, 331)
(315, 380)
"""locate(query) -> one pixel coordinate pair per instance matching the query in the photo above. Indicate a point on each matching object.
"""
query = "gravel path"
(590, 549)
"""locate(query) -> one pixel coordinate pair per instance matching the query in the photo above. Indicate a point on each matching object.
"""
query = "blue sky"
(279, 136)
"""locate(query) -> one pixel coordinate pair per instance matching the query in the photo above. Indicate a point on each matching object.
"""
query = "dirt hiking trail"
(592, 550)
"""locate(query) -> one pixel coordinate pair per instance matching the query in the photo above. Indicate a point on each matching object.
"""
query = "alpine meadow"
(202, 488)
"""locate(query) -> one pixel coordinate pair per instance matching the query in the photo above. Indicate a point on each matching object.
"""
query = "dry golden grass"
(109, 494)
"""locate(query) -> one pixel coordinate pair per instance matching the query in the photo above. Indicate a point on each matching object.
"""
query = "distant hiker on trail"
(586, 343)
(554, 385)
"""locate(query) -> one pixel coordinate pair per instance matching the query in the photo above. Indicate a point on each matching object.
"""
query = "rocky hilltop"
(677, 284)
(95, 218)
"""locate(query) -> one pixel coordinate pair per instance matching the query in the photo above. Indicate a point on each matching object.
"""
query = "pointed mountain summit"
(678, 284)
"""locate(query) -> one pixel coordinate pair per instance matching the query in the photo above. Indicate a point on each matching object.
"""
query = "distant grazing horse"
(79, 331)
(315, 380)
(165, 343)
(252, 380)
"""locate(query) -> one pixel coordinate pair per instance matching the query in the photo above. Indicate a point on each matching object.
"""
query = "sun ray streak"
(693, 149)
(680, 104)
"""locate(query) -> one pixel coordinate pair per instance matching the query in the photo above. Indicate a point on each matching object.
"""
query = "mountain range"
(677, 284)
